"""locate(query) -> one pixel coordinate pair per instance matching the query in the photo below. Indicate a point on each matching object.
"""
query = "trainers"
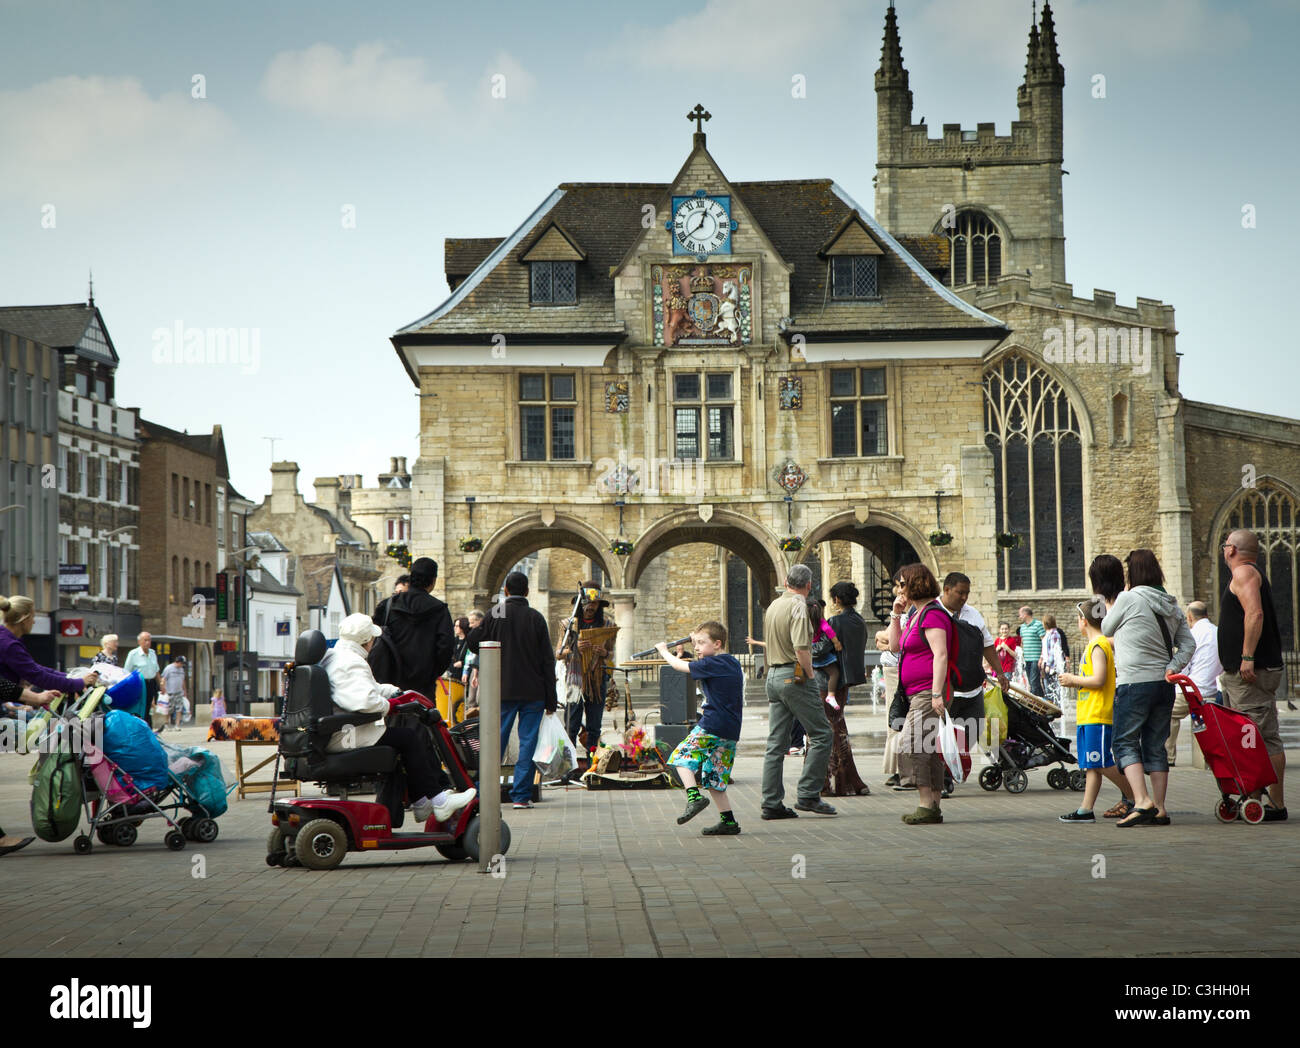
(893, 780)
(1076, 816)
(922, 816)
(1272, 814)
(693, 808)
(454, 803)
(522, 804)
(901, 788)
(817, 807)
(721, 829)
(779, 813)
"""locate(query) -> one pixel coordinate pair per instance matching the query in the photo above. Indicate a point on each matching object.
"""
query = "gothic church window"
(1032, 430)
(1273, 514)
(976, 250)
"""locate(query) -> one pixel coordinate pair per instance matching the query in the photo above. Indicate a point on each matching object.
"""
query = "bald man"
(1250, 649)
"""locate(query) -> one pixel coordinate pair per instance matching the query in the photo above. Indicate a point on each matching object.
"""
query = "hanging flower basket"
(399, 552)
(470, 544)
(620, 547)
(940, 538)
(791, 544)
(1008, 540)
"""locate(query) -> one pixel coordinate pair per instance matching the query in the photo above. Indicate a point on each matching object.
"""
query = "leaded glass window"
(859, 410)
(1273, 514)
(704, 400)
(854, 277)
(547, 425)
(553, 283)
(976, 248)
(1039, 495)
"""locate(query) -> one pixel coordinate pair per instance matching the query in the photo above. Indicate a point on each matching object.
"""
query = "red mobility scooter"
(316, 832)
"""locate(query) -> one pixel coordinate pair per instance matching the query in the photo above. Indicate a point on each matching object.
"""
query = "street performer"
(586, 685)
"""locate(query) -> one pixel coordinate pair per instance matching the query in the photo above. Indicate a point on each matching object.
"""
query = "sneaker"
(1076, 816)
(721, 829)
(817, 807)
(779, 813)
(893, 780)
(454, 803)
(522, 804)
(900, 788)
(923, 816)
(1272, 814)
(794, 751)
(693, 808)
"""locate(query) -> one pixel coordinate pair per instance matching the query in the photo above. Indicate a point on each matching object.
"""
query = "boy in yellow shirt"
(1095, 711)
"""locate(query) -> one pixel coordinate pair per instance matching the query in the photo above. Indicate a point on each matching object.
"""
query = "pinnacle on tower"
(1045, 66)
(891, 72)
(1034, 45)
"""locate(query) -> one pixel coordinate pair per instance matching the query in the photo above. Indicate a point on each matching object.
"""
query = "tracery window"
(976, 250)
(1033, 431)
(1273, 514)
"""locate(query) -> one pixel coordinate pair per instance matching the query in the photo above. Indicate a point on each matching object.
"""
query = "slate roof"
(339, 528)
(59, 327)
(265, 540)
(798, 217)
(316, 581)
(270, 584)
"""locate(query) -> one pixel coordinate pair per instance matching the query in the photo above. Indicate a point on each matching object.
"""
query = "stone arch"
(511, 543)
(738, 534)
(846, 527)
(987, 210)
(1077, 399)
(1286, 601)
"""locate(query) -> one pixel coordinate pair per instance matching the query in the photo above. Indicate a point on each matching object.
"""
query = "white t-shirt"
(969, 614)
(1204, 669)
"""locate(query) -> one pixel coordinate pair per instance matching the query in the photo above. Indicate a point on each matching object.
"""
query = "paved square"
(611, 874)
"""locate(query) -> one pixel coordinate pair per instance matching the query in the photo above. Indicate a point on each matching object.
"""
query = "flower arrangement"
(470, 544)
(620, 547)
(791, 544)
(1008, 540)
(940, 537)
(400, 552)
(634, 744)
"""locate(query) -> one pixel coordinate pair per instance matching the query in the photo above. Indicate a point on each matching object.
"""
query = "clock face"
(701, 226)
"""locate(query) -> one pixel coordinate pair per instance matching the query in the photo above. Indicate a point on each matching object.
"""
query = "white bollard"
(489, 753)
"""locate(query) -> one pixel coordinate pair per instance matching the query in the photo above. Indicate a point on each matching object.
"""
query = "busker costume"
(587, 665)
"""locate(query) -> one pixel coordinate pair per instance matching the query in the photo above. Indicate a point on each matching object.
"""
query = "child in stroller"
(1031, 743)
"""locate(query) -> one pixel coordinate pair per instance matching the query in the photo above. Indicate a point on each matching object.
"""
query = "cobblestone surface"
(612, 874)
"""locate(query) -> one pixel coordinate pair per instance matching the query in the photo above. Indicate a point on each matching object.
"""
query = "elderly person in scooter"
(354, 690)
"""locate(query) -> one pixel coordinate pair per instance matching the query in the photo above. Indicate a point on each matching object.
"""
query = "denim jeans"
(1142, 715)
(1035, 678)
(530, 723)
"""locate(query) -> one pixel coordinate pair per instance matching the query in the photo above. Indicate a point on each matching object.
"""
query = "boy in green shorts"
(710, 749)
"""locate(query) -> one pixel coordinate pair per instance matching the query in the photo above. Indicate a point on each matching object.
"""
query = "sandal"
(1137, 817)
(1122, 807)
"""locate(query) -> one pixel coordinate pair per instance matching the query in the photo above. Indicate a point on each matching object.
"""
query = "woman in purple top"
(923, 674)
(16, 661)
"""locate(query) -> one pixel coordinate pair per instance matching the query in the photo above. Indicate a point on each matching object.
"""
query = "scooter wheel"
(204, 830)
(175, 840)
(1226, 811)
(470, 840)
(321, 844)
(1253, 811)
(275, 851)
(1058, 779)
(1017, 782)
(1078, 781)
(991, 778)
(454, 852)
(82, 845)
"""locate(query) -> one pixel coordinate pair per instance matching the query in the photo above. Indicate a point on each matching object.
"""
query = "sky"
(290, 170)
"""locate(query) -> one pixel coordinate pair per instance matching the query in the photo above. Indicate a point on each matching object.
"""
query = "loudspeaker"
(676, 696)
(672, 734)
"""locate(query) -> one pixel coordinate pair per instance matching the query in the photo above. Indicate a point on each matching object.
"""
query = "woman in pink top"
(923, 674)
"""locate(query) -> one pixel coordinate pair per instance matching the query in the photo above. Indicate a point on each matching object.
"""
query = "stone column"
(978, 523)
(1175, 508)
(625, 618)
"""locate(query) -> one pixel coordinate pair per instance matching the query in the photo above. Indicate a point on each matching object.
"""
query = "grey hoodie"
(1140, 652)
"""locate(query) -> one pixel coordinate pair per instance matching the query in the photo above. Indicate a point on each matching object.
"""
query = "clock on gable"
(701, 225)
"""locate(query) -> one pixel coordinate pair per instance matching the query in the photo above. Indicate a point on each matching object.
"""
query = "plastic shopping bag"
(995, 719)
(555, 755)
(951, 749)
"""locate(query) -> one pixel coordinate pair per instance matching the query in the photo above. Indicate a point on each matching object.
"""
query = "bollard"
(489, 752)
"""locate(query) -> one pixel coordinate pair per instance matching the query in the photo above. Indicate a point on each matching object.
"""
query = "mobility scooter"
(316, 832)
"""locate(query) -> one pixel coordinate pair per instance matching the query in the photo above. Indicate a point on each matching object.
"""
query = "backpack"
(56, 792)
(966, 665)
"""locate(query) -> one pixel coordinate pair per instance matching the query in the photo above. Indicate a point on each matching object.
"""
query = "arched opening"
(866, 553)
(975, 243)
(1272, 511)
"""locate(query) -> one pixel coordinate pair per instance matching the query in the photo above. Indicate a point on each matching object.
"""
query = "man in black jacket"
(527, 675)
(416, 645)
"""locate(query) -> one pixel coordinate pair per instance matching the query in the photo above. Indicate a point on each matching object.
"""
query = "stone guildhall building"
(686, 386)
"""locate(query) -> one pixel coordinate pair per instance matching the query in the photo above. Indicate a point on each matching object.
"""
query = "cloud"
(95, 138)
(369, 85)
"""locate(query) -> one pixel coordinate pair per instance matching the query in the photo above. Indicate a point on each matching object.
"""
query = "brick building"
(716, 371)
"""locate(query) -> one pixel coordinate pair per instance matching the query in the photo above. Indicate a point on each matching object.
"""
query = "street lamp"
(105, 538)
(243, 608)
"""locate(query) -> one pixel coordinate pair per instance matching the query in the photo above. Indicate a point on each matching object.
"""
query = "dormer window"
(553, 283)
(855, 277)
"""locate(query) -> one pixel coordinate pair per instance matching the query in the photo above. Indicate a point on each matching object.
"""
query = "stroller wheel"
(186, 824)
(175, 840)
(1078, 780)
(1017, 782)
(204, 830)
(1252, 811)
(1058, 779)
(105, 835)
(124, 835)
(991, 778)
(1226, 810)
(82, 845)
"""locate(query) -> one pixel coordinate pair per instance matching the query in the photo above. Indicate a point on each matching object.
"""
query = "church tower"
(997, 198)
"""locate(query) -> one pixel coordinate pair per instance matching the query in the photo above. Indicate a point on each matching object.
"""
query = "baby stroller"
(1031, 743)
(1240, 767)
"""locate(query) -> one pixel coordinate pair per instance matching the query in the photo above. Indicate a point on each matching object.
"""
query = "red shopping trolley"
(1234, 751)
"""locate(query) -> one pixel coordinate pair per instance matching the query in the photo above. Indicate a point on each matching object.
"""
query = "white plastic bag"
(555, 754)
(950, 748)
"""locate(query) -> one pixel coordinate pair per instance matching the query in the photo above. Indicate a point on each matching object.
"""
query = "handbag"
(951, 749)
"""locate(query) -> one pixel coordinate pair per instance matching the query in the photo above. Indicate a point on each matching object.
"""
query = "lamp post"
(243, 606)
(105, 538)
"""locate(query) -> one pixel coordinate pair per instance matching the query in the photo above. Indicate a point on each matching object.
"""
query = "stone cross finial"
(699, 116)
